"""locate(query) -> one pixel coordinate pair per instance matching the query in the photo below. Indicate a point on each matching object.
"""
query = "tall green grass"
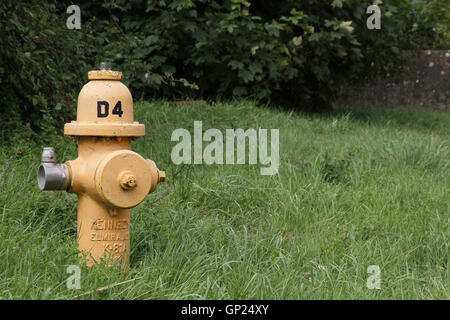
(355, 188)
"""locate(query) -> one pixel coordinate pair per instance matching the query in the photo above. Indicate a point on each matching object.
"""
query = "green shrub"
(298, 53)
(42, 63)
(426, 25)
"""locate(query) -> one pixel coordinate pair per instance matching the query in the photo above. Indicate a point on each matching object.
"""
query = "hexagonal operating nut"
(127, 180)
(105, 65)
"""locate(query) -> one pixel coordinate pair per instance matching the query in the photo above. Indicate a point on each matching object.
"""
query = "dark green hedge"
(298, 53)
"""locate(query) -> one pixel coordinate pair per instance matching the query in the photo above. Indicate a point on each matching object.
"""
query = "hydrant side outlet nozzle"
(52, 175)
(108, 178)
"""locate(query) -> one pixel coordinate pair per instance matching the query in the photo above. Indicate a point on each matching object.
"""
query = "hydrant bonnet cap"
(105, 108)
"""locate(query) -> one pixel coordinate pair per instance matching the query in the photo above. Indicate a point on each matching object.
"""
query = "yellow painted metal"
(113, 168)
(107, 176)
(105, 108)
(104, 75)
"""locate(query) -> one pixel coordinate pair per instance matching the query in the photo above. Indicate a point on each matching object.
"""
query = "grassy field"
(355, 188)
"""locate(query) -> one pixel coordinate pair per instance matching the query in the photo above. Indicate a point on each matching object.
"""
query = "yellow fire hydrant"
(107, 176)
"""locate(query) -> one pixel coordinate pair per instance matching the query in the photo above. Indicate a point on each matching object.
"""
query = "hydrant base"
(102, 234)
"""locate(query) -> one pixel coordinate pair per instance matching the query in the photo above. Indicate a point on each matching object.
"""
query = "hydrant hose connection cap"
(123, 179)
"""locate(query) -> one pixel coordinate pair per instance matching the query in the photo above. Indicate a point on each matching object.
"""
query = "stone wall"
(426, 83)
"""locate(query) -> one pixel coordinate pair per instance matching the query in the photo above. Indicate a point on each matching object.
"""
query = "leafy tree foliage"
(299, 53)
